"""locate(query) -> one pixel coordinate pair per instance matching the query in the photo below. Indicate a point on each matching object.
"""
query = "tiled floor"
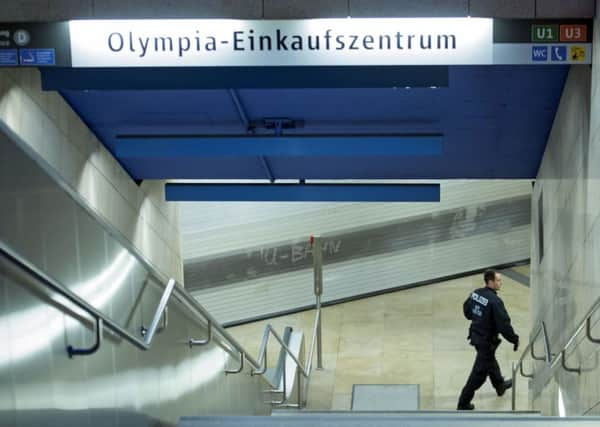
(416, 336)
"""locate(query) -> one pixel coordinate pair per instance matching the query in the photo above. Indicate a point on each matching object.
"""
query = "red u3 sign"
(573, 33)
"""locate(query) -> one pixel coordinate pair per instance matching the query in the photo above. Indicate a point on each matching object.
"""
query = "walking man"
(488, 317)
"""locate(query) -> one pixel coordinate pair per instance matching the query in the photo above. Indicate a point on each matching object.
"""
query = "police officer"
(488, 317)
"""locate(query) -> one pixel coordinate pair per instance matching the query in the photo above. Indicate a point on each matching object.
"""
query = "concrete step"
(439, 413)
(371, 420)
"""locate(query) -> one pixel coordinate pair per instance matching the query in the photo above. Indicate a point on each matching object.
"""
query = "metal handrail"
(305, 370)
(550, 359)
(171, 290)
(518, 367)
(100, 318)
(184, 297)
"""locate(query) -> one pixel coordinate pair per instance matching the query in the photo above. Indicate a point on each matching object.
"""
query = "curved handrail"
(550, 359)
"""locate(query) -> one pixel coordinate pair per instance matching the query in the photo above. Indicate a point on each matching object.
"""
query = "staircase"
(392, 419)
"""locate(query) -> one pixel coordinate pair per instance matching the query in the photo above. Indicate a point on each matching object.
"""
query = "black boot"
(503, 387)
(467, 407)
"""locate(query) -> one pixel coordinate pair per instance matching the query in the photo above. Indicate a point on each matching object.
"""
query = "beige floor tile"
(407, 334)
(414, 372)
(369, 346)
(341, 402)
(450, 334)
(363, 311)
(426, 402)
(319, 401)
(413, 302)
(362, 329)
(357, 370)
(523, 269)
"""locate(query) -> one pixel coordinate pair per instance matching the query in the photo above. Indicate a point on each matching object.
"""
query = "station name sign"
(319, 42)
(314, 42)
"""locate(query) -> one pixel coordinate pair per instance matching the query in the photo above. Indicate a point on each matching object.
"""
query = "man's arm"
(467, 309)
(503, 324)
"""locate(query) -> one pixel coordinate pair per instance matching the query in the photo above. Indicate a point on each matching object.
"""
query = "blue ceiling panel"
(494, 121)
(210, 168)
(302, 192)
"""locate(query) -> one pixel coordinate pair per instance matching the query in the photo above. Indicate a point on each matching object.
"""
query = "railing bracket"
(241, 368)
(523, 373)
(588, 331)
(533, 356)
(564, 364)
(193, 342)
(88, 351)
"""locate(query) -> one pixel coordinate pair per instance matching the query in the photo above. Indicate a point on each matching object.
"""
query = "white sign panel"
(316, 42)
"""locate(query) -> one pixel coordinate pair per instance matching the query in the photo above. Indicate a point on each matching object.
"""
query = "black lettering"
(388, 39)
(429, 42)
(368, 42)
(281, 41)
(237, 40)
(251, 39)
(144, 46)
(399, 41)
(184, 45)
(131, 48)
(339, 40)
(410, 37)
(164, 41)
(316, 45)
(353, 42)
(211, 44)
(197, 38)
(120, 41)
(262, 39)
(296, 43)
(327, 38)
(446, 40)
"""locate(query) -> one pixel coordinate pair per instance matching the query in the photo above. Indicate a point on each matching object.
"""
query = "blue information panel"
(37, 57)
(8, 57)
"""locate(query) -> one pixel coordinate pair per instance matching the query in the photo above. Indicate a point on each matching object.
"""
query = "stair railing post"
(514, 386)
(317, 252)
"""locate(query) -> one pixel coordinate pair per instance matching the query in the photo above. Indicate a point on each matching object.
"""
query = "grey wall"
(51, 10)
(46, 126)
(566, 280)
(247, 260)
(120, 384)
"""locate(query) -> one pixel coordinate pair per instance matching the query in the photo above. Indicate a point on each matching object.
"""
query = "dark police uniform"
(488, 317)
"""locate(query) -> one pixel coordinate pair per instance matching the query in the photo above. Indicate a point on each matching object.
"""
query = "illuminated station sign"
(315, 42)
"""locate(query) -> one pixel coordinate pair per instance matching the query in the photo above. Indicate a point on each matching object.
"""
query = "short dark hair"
(489, 275)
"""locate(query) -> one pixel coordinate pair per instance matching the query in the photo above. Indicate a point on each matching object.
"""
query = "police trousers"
(485, 366)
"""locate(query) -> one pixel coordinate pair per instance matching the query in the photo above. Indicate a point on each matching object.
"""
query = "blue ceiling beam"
(140, 148)
(58, 78)
(302, 192)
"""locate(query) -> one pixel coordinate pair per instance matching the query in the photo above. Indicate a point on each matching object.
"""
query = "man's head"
(492, 279)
